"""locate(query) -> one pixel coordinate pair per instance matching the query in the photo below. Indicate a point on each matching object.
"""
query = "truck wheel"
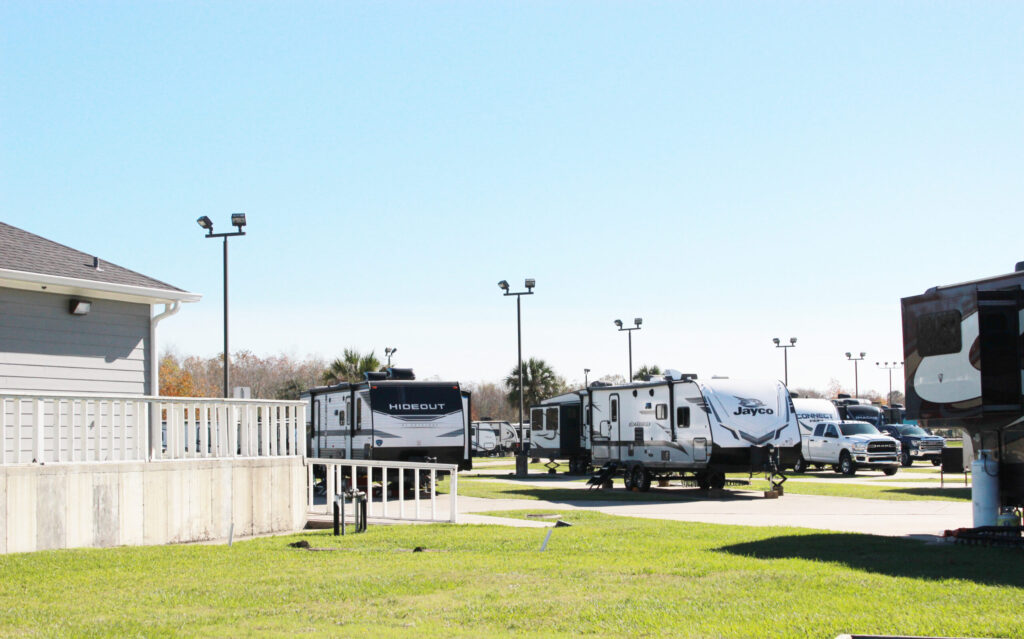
(641, 478)
(846, 465)
(889, 472)
(801, 465)
(905, 459)
(936, 462)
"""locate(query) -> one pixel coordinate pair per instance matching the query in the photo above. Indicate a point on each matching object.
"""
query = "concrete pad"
(106, 521)
(131, 509)
(154, 507)
(79, 510)
(21, 498)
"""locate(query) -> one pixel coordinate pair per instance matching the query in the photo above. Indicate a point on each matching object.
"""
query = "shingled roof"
(30, 253)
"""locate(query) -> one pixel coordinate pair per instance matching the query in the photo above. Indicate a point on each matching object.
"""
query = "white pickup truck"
(847, 446)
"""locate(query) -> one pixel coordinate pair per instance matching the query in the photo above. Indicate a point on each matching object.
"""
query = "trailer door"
(613, 419)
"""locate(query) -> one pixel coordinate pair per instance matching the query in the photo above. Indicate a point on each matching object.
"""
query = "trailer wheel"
(702, 481)
(800, 466)
(627, 478)
(641, 478)
(717, 480)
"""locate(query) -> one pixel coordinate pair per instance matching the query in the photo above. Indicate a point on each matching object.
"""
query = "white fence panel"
(50, 429)
(389, 487)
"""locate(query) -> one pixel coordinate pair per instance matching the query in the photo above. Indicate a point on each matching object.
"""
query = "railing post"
(155, 430)
(433, 494)
(309, 487)
(453, 495)
(38, 451)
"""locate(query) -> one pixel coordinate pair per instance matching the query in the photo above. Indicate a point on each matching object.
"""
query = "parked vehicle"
(679, 427)
(916, 443)
(862, 412)
(492, 438)
(848, 446)
(392, 417)
(558, 431)
(810, 411)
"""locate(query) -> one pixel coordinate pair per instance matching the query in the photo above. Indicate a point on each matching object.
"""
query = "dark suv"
(917, 443)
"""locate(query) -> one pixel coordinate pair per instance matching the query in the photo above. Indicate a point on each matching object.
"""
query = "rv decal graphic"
(750, 406)
(415, 406)
(699, 402)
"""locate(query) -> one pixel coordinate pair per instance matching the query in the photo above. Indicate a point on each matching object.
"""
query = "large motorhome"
(390, 417)
(678, 426)
(963, 353)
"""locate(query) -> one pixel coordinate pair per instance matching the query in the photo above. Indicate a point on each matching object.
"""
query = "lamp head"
(792, 340)
(618, 323)
(238, 220)
(775, 340)
(205, 223)
(638, 320)
(530, 283)
(503, 285)
(848, 355)
(586, 370)
(862, 355)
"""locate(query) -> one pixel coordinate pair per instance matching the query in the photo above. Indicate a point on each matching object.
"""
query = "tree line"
(284, 376)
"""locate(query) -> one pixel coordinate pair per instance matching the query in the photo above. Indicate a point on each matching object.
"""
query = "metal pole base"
(522, 466)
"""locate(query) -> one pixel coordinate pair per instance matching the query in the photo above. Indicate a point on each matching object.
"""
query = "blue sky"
(729, 172)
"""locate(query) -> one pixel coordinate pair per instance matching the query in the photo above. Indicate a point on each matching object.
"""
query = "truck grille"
(882, 447)
(931, 445)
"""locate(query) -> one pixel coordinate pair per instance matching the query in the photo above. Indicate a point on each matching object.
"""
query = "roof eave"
(104, 290)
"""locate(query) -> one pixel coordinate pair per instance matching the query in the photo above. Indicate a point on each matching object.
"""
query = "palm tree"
(350, 367)
(647, 371)
(539, 382)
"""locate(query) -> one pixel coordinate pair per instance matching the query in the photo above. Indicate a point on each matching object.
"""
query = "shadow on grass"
(959, 493)
(893, 557)
(508, 489)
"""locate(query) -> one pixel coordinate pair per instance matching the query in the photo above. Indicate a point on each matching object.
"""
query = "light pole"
(521, 463)
(388, 351)
(586, 371)
(889, 366)
(238, 221)
(629, 331)
(856, 385)
(785, 355)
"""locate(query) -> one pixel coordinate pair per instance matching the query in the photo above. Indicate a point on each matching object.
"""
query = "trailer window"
(683, 416)
(359, 414)
(615, 411)
(341, 418)
(551, 419)
(661, 411)
(939, 333)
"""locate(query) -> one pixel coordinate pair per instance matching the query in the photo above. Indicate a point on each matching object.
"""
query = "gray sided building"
(73, 323)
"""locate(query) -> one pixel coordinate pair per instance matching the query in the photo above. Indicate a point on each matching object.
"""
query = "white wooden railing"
(59, 428)
(385, 485)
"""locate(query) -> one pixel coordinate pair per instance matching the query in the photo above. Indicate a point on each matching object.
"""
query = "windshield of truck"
(913, 431)
(858, 428)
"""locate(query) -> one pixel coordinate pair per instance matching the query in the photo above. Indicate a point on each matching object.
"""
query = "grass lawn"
(880, 491)
(605, 576)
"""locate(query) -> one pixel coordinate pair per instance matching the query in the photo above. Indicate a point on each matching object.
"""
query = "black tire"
(627, 479)
(889, 472)
(937, 462)
(717, 480)
(800, 466)
(846, 465)
(703, 481)
(905, 459)
(641, 478)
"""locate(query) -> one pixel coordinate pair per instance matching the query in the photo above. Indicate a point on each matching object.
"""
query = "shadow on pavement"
(893, 556)
(583, 497)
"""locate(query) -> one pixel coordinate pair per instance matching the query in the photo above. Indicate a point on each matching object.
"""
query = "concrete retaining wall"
(140, 503)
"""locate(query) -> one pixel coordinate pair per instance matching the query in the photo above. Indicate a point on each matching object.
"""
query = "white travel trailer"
(679, 427)
(810, 411)
(390, 417)
(558, 430)
(492, 438)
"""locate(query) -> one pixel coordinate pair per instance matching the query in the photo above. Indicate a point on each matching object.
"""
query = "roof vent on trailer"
(401, 373)
(1019, 267)
(673, 375)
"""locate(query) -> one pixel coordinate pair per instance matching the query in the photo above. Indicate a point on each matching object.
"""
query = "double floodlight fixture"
(237, 220)
(849, 356)
(530, 283)
(777, 341)
(636, 320)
